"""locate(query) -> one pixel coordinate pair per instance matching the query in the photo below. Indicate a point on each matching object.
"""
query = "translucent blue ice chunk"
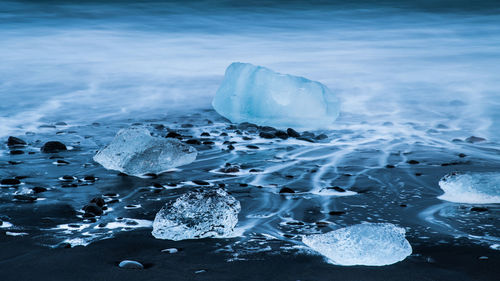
(374, 244)
(135, 152)
(472, 188)
(259, 95)
(198, 214)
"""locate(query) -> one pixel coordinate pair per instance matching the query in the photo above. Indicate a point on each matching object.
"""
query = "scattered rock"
(92, 209)
(200, 182)
(412, 162)
(337, 188)
(38, 189)
(286, 190)
(389, 166)
(53, 147)
(16, 152)
(173, 135)
(473, 139)
(292, 133)
(13, 141)
(193, 141)
(10, 182)
(129, 264)
(336, 213)
(251, 146)
(266, 135)
(281, 134)
(25, 198)
(479, 209)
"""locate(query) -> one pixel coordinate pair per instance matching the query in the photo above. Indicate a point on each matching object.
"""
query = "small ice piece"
(259, 95)
(471, 188)
(131, 264)
(198, 214)
(373, 244)
(135, 152)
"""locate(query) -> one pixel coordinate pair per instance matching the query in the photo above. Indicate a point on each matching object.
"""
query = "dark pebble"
(53, 147)
(200, 182)
(38, 189)
(205, 134)
(173, 135)
(187, 125)
(68, 178)
(233, 169)
(389, 166)
(193, 141)
(61, 124)
(89, 178)
(16, 152)
(13, 141)
(286, 190)
(321, 137)
(337, 188)
(473, 139)
(418, 174)
(243, 184)
(63, 162)
(251, 146)
(462, 155)
(247, 125)
(305, 139)
(479, 209)
(208, 143)
(266, 135)
(10, 182)
(92, 209)
(336, 213)
(247, 138)
(25, 198)
(292, 133)
(98, 201)
(223, 135)
(281, 134)
(412, 162)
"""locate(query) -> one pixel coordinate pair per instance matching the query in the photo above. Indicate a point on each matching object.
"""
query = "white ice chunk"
(198, 214)
(472, 188)
(259, 95)
(135, 152)
(374, 244)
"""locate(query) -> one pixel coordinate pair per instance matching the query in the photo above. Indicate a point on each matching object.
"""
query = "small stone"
(281, 134)
(89, 178)
(337, 188)
(53, 147)
(10, 182)
(25, 198)
(61, 124)
(336, 213)
(321, 137)
(479, 209)
(38, 189)
(224, 134)
(16, 152)
(266, 135)
(292, 133)
(13, 141)
(193, 141)
(251, 146)
(173, 135)
(200, 182)
(62, 162)
(205, 134)
(98, 201)
(286, 190)
(389, 166)
(232, 169)
(92, 209)
(412, 162)
(462, 155)
(129, 264)
(305, 139)
(473, 139)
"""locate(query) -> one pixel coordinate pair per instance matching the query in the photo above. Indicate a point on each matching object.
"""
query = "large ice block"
(134, 151)
(198, 214)
(472, 188)
(374, 244)
(259, 95)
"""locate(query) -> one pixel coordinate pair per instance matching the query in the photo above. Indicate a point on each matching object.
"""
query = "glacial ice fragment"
(198, 214)
(259, 95)
(373, 244)
(135, 152)
(472, 188)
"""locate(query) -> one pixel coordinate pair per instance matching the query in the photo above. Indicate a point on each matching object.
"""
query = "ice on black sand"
(129, 264)
(373, 244)
(198, 214)
(135, 152)
(259, 95)
(472, 188)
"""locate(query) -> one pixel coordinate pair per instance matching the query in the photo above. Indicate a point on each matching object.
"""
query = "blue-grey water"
(415, 80)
